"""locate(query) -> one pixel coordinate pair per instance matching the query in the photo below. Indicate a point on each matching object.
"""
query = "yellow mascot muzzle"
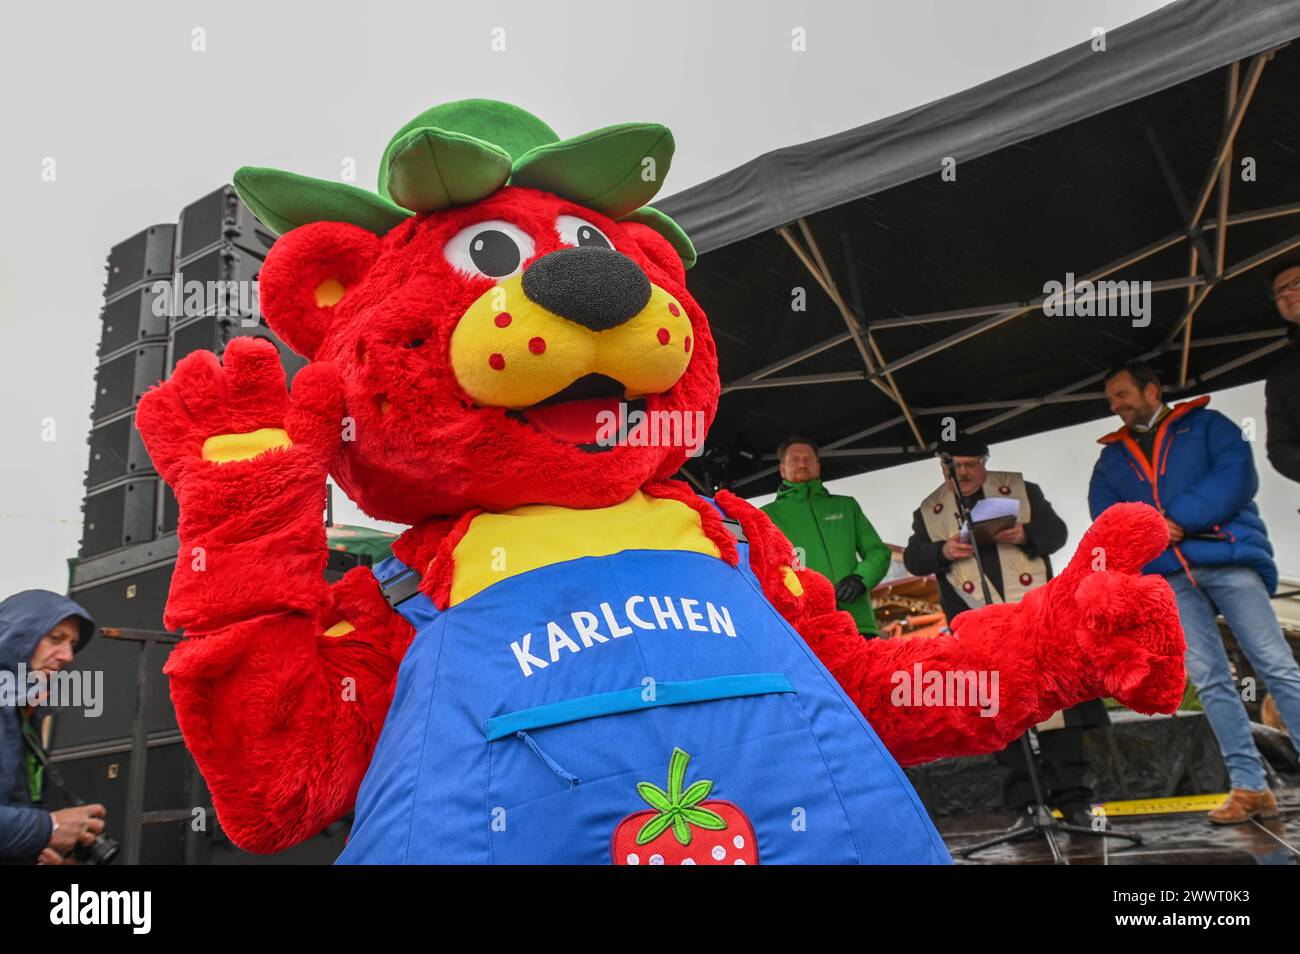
(577, 312)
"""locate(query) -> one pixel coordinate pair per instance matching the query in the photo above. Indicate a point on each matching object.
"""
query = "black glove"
(849, 589)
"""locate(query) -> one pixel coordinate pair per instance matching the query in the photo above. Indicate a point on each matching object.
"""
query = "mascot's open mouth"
(583, 413)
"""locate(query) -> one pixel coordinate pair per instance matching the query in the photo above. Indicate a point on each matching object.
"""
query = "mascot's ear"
(308, 272)
(656, 248)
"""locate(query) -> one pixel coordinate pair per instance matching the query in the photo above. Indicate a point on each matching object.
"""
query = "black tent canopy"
(1171, 156)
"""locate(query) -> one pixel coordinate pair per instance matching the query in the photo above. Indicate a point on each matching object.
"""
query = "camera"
(101, 851)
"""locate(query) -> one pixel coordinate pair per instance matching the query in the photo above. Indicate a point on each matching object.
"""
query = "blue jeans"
(1239, 594)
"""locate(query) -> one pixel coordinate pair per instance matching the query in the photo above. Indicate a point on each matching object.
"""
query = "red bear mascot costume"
(563, 625)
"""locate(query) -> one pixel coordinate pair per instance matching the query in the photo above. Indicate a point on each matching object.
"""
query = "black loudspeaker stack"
(171, 289)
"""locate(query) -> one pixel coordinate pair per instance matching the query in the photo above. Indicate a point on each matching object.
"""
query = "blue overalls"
(525, 716)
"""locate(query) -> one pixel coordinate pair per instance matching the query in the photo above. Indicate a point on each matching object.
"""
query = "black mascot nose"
(595, 287)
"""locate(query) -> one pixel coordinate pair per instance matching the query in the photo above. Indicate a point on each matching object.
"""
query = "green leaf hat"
(460, 152)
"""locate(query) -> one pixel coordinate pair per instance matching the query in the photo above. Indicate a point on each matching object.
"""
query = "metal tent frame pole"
(903, 321)
(879, 372)
(1063, 395)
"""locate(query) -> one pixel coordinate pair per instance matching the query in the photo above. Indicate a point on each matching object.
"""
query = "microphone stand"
(1041, 820)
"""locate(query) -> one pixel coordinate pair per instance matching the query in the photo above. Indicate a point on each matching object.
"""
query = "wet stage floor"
(1169, 838)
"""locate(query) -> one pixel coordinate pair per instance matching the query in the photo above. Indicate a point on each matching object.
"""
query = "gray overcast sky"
(140, 124)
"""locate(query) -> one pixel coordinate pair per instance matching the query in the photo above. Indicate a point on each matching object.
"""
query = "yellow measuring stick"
(1158, 806)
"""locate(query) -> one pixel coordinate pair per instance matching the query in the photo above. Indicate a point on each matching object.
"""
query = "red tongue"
(577, 422)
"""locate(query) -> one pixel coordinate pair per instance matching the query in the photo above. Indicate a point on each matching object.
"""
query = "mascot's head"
(509, 317)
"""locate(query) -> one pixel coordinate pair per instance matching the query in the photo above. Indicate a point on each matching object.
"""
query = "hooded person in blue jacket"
(1195, 466)
(40, 631)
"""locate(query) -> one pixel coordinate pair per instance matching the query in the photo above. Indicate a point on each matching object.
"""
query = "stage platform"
(1154, 776)
(1171, 836)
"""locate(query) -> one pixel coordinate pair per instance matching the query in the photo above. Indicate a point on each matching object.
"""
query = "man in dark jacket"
(1195, 466)
(39, 633)
(1015, 561)
(1282, 387)
(833, 535)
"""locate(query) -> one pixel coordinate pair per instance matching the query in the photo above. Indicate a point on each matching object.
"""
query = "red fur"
(769, 553)
(1098, 629)
(253, 541)
(434, 453)
(710, 522)
(667, 264)
(438, 585)
(283, 720)
(322, 251)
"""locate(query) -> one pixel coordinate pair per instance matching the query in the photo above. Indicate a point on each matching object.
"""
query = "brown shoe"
(1243, 805)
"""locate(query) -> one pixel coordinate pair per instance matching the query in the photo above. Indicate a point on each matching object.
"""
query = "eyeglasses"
(1292, 285)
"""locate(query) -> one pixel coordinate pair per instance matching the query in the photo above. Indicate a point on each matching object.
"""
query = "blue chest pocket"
(563, 778)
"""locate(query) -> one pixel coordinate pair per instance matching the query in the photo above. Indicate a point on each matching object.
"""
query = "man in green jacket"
(832, 534)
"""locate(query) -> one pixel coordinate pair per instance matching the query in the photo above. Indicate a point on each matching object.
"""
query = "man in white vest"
(1015, 560)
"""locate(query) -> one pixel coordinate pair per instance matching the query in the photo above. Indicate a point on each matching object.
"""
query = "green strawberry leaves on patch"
(677, 808)
(703, 818)
(654, 796)
(677, 774)
(696, 793)
(654, 828)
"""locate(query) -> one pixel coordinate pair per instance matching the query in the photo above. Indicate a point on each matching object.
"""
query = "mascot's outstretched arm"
(1098, 629)
(283, 681)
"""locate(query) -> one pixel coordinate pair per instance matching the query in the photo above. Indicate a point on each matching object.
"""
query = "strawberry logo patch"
(681, 828)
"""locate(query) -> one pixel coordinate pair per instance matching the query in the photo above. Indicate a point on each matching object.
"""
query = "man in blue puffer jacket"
(1195, 466)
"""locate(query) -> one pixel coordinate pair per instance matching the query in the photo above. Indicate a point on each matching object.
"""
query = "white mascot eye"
(494, 249)
(575, 231)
